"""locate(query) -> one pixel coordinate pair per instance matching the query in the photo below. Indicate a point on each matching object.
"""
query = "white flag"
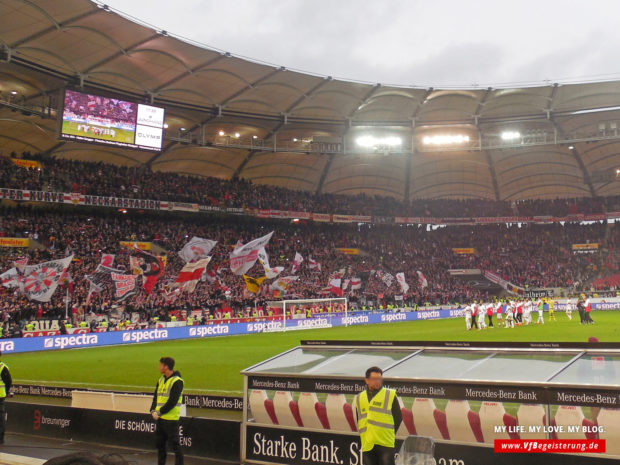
(422, 280)
(196, 249)
(243, 257)
(10, 278)
(270, 273)
(39, 282)
(297, 262)
(313, 264)
(283, 284)
(190, 274)
(400, 277)
(356, 283)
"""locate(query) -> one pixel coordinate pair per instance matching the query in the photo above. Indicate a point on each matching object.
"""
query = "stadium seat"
(531, 415)
(93, 400)
(493, 414)
(428, 420)
(463, 423)
(287, 410)
(309, 408)
(262, 407)
(609, 420)
(570, 415)
(406, 427)
(340, 413)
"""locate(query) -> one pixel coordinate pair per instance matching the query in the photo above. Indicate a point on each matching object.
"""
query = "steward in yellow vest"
(5, 386)
(166, 409)
(378, 418)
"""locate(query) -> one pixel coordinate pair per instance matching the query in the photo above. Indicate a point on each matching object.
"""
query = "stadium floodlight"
(222, 133)
(445, 139)
(237, 135)
(295, 139)
(571, 147)
(511, 135)
(372, 141)
(254, 136)
(182, 129)
(165, 125)
(13, 92)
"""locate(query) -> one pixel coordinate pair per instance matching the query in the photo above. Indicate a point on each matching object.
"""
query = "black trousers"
(2, 420)
(490, 317)
(379, 455)
(168, 431)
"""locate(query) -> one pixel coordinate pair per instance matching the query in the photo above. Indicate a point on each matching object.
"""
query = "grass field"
(122, 135)
(213, 365)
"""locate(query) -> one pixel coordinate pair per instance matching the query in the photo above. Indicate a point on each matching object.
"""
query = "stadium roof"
(297, 130)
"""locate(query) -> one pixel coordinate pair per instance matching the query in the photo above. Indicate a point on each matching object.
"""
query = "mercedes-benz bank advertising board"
(298, 406)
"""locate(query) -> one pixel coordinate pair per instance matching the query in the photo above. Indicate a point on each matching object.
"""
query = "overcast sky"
(422, 43)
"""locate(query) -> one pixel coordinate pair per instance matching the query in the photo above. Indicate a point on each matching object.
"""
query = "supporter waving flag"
(196, 249)
(422, 280)
(270, 273)
(124, 284)
(400, 277)
(243, 257)
(190, 274)
(152, 269)
(297, 262)
(39, 282)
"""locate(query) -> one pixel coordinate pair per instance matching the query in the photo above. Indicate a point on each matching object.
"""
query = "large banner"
(14, 242)
(75, 198)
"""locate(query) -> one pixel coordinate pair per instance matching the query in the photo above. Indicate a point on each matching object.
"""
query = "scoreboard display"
(111, 121)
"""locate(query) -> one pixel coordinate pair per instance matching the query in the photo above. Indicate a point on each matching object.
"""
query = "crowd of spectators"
(531, 255)
(95, 178)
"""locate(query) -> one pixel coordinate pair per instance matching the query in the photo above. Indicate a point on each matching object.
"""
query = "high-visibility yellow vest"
(2, 385)
(190, 321)
(375, 422)
(163, 392)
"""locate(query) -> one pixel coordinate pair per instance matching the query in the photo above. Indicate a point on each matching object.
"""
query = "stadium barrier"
(203, 401)
(202, 437)
(32, 344)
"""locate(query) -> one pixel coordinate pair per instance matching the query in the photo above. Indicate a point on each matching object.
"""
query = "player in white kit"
(569, 309)
(482, 311)
(527, 312)
(510, 315)
(468, 312)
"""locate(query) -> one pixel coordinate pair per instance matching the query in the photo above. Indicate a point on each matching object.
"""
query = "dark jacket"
(175, 393)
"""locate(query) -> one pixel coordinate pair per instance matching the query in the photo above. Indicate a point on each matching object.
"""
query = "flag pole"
(67, 304)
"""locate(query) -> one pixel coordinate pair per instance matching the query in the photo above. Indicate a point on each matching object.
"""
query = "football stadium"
(209, 259)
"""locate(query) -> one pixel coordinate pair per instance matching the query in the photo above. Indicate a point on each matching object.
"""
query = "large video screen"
(106, 120)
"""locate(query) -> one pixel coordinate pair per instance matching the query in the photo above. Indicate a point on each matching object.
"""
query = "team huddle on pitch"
(511, 313)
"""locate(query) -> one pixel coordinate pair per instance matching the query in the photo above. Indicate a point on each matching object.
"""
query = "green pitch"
(121, 135)
(213, 365)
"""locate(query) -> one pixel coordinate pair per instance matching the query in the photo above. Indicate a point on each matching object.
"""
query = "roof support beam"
(319, 187)
(189, 72)
(245, 161)
(307, 95)
(365, 99)
(408, 175)
(251, 86)
(586, 174)
(118, 54)
(493, 175)
(55, 27)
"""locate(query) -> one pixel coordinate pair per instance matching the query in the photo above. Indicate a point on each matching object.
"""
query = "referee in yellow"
(166, 409)
(378, 418)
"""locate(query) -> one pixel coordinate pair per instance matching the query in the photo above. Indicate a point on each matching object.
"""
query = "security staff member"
(166, 409)
(378, 418)
(5, 386)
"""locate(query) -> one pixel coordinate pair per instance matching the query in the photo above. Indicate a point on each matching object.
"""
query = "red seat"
(295, 411)
(408, 420)
(348, 413)
(321, 412)
(271, 411)
(442, 424)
